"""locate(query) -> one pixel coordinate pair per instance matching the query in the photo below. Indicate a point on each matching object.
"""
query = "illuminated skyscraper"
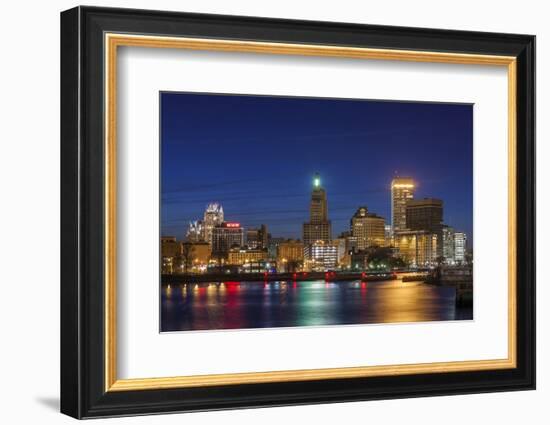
(318, 209)
(460, 247)
(448, 234)
(402, 190)
(195, 231)
(213, 216)
(319, 227)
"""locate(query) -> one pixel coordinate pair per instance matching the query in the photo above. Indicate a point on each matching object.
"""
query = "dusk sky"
(256, 155)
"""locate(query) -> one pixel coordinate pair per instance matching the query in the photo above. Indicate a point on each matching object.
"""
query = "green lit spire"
(316, 180)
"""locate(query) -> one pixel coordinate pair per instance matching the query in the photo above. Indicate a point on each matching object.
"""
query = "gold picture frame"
(114, 41)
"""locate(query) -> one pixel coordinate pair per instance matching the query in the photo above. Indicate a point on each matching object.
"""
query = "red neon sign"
(232, 224)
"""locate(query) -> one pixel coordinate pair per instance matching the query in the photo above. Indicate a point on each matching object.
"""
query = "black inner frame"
(82, 212)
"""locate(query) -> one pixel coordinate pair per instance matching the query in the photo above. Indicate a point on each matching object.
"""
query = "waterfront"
(245, 305)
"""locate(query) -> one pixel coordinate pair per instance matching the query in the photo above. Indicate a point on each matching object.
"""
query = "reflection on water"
(241, 305)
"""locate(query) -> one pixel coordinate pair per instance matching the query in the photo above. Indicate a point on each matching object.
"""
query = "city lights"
(417, 238)
(303, 207)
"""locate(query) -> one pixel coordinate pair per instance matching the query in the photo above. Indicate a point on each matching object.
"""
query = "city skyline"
(278, 196)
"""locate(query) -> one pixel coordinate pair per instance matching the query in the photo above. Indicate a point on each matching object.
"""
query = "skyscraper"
(402, 190)
(195, 231)
(448, 244)
(427, 215)
(318, 209)
(368, 228)
(213, 216)
(460, 247)
(319, 227)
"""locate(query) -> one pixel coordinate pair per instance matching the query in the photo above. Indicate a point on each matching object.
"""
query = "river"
(245, 305)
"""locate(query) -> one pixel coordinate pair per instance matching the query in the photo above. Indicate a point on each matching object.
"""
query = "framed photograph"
(261, 212)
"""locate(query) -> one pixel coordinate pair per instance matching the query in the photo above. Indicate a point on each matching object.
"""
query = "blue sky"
(256, 155)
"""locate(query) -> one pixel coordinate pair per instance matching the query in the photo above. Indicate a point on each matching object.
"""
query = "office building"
(213, 216)
(239, 256)
(388, 235)
(368, 228)
(321, 256)
(257, 238)
(195, 231)
(417, 247)
(273, 245)
(340, 243)
(402, 191)
(290, 255)
(351, 241)
(460, 247)
(448, 234)
(226, 236)
(426, 214)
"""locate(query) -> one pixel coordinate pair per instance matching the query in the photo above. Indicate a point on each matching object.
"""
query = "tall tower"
(319, 227)
(213, 216)
(318, 209)
(402, 190)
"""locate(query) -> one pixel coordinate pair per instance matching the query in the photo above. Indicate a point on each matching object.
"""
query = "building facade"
(240, 256)
(273, 246)
(426, 214)
(170, 251)
(290, 255)
(226, 236)
(316, 232)
(257, 238)
(320, 256)
(359, 261)
(417, 247)
(460, 247)
(388, 235)
(194, 257)
(448, 234)
(368, 228)
(213, 217)
(195, 231)
(402, 191)
(319, 227)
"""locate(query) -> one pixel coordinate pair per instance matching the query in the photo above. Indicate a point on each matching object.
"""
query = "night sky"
(256, 155)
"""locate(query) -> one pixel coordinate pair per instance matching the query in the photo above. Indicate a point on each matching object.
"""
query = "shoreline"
(274, 277)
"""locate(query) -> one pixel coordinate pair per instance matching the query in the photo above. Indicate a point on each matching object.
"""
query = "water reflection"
(238, 305)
